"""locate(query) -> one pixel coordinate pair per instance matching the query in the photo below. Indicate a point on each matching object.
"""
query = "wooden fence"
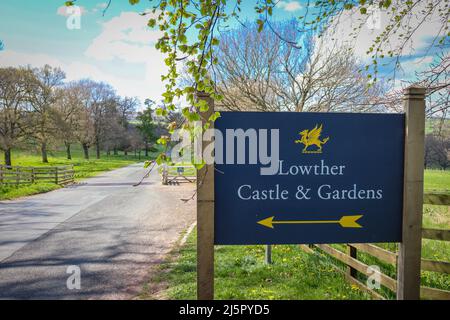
(356, 267)
(16, 175)
(177, 174)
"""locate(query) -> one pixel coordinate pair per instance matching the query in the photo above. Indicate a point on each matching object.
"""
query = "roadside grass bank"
(240, 271)
(12, 192)
(83, 168)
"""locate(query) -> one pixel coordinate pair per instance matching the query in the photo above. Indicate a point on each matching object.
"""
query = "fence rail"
(19, 175)
(355, 266)
(178, 173)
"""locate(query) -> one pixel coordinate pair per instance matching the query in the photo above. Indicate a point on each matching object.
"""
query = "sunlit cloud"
(290, 6)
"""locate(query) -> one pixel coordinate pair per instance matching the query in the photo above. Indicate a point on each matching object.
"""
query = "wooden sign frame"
(409, 258)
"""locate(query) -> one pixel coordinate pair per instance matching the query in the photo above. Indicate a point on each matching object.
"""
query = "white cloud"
(289, 5)
(409, 67)
(125, 42)
(10, 58)
(341, 32)
(75, 70)
(127, 38)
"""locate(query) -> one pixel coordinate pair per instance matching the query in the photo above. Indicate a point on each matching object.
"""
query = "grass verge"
(83, 169)
(240, 273)
(12, 192)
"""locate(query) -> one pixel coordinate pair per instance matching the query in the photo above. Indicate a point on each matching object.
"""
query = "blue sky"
(118, 47)
(35, 32)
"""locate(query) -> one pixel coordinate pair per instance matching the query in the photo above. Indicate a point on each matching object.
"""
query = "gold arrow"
(345, 222)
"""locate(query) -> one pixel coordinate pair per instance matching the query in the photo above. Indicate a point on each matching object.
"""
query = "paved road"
(112, 231)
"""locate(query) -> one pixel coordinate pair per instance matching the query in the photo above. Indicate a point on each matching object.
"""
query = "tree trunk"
(69, 153)
(44, 152)
(125, 152)
(97, 148)
(86, 151)
(146, 148)
(8, 157)
(115, 152)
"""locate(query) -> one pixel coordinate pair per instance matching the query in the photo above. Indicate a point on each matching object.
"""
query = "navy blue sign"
(291, 178)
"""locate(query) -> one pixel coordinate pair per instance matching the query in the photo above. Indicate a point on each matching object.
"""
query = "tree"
(437, 151)
(99, 100)
(44, 95)
(85, 134)
(68, 110)
(85, 126)
(257, 70)
(14, 115)
(260, 71)
(437, 82)
(113, 133)
(126, 110)
(134, 140)
(204, 19)
(146, 126)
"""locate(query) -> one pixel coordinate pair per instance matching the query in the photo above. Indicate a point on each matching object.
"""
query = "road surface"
(113, 232)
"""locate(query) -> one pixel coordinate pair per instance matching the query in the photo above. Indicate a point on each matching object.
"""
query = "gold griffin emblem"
(312, 138)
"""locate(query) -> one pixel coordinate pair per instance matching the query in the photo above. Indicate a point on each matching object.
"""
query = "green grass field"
(83, 168)
(437, 180)
(240, 271)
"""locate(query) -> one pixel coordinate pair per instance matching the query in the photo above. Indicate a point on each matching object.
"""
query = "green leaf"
(215, 41)
(198, 166)
(260, 24)
(214, 116)
(161, 158)
(147, 164)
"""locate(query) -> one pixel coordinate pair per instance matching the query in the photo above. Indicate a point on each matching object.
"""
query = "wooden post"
(352, 252)
(408, 267)
(205, 218)
(164, 174)
(72, 174)
(56, 175)
(268, 254)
